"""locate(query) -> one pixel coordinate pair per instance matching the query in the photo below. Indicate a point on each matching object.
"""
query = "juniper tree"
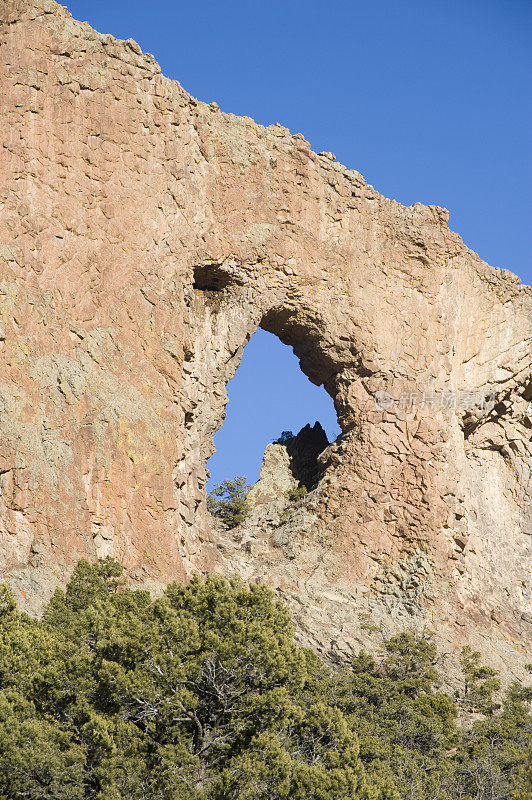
(227, 501)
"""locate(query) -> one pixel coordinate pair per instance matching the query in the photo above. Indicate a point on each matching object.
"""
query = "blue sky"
(429, 100)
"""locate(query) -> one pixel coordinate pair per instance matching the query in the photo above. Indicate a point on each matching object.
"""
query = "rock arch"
(145, 236)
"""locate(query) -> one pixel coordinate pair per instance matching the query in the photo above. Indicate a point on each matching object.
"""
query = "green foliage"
(296, 493)
(491, 760)
(203, 694)
(403, 723)
(39, 759)
(480, 682)
(523, 781)
(227, 501)
(411, 658)
(284, 438)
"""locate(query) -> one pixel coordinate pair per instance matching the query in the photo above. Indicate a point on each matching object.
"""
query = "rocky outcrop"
(291, 464)
(144, 236)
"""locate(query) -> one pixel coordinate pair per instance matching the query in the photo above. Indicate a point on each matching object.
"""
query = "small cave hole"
(211, 278)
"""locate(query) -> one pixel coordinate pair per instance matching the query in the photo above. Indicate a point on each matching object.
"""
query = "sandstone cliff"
(144, 236)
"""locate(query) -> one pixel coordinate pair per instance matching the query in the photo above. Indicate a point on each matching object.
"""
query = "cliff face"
(143, 238)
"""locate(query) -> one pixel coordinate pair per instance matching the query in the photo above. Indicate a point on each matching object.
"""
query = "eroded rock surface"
(144, 236)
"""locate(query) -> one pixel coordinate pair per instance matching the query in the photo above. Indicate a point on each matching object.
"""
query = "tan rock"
(144, 236)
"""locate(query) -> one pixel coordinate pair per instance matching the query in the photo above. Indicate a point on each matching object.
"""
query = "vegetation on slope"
(227, 501)
(202, 694)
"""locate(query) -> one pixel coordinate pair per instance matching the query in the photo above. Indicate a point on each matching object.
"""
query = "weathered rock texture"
(143, 238)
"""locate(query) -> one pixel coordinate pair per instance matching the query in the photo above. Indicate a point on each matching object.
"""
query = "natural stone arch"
(225, 311)
(114, 368)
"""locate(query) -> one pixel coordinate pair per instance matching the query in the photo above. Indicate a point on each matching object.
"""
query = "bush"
(296, 493)
(227, 501)
(284, 438)
(480, 682)
(203, 694)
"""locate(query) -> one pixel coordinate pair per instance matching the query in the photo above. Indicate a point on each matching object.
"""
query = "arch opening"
(272, 397)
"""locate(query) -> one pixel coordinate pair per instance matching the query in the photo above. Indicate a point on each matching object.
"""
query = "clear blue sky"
(429, 100)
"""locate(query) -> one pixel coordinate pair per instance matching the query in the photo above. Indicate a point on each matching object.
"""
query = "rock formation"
(144, 236)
